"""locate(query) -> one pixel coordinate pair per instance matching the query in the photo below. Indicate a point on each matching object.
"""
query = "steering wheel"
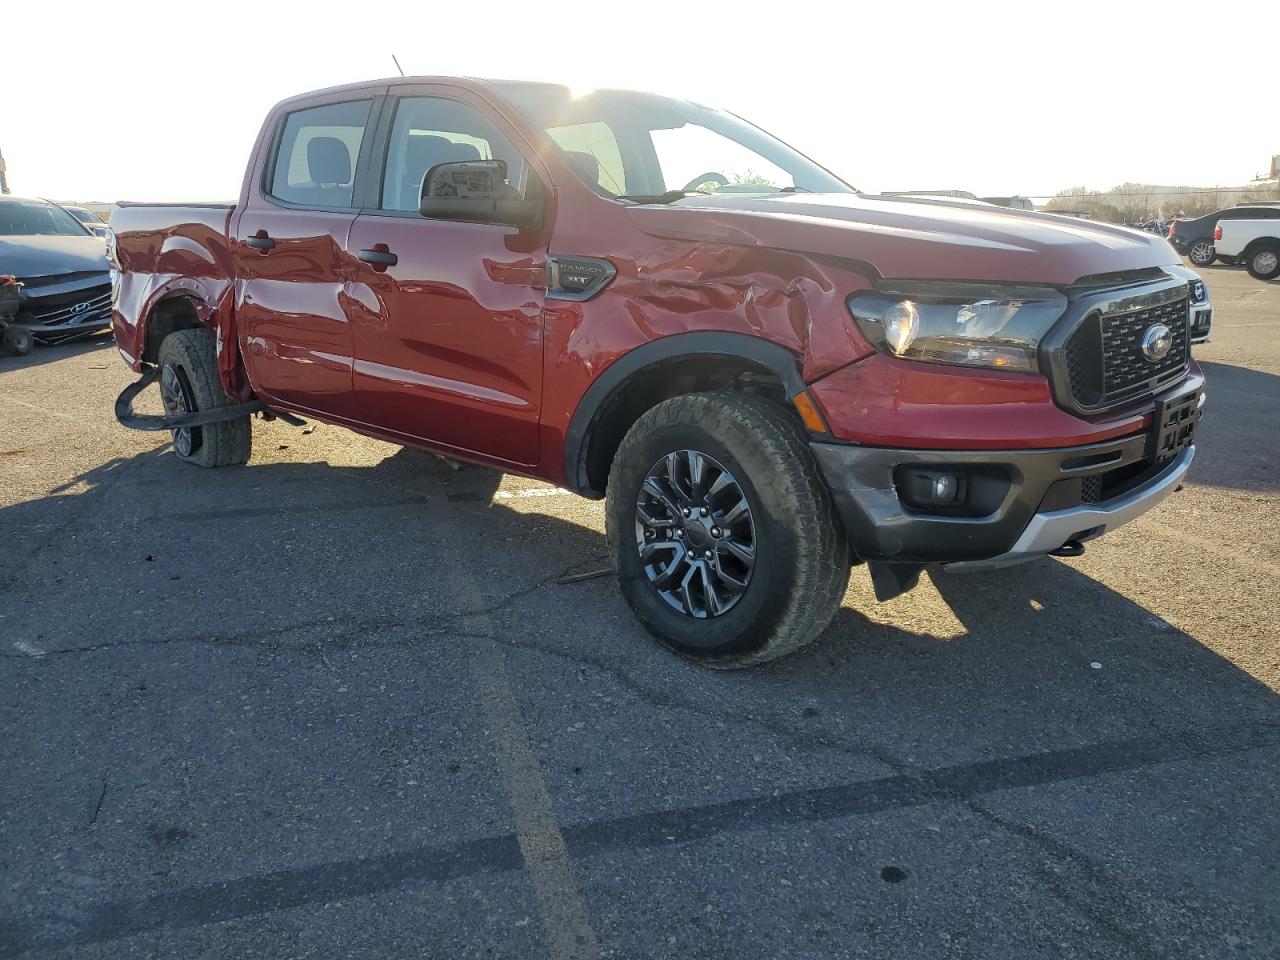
(719, 179)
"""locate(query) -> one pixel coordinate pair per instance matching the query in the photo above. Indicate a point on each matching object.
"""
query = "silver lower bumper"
(1048, 531)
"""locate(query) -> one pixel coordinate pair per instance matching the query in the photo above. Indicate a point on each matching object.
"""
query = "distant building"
(4, 180)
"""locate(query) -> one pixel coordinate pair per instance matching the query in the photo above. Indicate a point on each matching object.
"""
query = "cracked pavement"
(338, 704)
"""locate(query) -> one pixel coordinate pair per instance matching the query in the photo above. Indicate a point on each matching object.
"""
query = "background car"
(1194, 238)
(91, 221)
(66, 287)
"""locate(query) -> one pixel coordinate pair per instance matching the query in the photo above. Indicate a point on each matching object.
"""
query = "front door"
(448, 338)
(291, 263)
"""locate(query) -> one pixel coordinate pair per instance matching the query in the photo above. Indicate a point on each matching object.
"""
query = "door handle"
(260, 241)
(380, 256)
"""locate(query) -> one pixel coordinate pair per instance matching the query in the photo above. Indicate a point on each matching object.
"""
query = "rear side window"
(432, 130)
(315, 159)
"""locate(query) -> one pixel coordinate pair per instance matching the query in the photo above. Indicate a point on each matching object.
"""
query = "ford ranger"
(768, 376)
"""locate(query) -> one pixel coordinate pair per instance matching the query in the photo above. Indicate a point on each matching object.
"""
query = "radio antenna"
(397, 63)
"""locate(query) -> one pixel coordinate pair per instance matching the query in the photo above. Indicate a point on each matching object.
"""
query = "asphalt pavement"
(339, 703)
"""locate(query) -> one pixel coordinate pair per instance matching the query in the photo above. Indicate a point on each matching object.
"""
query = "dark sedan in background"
(66, 289)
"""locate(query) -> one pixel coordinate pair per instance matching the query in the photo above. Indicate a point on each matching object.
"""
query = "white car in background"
(1255, 242)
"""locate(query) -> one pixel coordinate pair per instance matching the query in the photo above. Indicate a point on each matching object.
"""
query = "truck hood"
(41, 256)
(913, 238)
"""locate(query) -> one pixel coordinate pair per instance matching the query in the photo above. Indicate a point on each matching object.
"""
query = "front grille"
(1105, 363)
(66, 307)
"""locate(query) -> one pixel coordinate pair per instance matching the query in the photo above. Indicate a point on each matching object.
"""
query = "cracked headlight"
(970, 324)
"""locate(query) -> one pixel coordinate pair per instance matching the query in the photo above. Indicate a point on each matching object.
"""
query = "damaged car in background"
(62, 266)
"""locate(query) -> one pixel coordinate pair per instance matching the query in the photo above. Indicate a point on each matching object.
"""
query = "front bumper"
(1049, 530)
(59, 331)
(1020, 504)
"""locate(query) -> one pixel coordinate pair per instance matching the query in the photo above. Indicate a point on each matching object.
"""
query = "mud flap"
(150, 421)
(893, 579)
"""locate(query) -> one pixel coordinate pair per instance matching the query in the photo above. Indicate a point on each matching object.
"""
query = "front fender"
(708, 345)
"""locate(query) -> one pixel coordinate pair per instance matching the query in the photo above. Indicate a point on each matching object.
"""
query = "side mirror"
(477, 190)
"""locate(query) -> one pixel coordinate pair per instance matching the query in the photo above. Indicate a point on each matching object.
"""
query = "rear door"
(448, 339)
(291, 258)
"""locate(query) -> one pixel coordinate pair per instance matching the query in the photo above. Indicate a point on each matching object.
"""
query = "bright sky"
(142, 101)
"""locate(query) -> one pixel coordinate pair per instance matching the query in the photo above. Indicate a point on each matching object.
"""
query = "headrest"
(460, 153)
(585, 165)
(423, 153)
(328, 161)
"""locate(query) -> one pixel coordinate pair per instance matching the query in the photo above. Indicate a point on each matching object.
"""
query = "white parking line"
(30, 649)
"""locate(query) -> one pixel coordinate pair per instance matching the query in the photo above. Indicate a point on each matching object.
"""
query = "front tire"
(724, 537)
(18, 341)
(1264, 262)
(1201, 253)
(189, 382)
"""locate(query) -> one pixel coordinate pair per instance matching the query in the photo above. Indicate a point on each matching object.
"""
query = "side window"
(315, 159)
(431, 130)
(593, 152)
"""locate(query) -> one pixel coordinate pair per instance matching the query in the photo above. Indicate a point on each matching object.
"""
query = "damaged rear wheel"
(189, 383)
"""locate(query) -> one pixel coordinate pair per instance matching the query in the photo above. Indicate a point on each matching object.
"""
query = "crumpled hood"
(913, 239)
(37, 256)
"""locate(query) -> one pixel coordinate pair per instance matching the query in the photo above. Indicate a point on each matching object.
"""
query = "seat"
(584, 165)
(420, 155)
(329, 167)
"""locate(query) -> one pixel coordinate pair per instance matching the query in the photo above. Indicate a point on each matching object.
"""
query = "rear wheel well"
(175, 313)
(660, 381)
(1261, 243)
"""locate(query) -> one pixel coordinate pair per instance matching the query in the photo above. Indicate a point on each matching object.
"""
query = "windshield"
(84, 215)
(639, 145)
(33, 218)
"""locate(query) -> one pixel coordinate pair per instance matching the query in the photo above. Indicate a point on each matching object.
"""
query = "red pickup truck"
(770, 376)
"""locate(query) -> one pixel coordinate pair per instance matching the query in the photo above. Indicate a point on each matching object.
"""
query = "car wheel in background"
(1201, 253)
(1264, 262)
(189, 382)
(724, 537)
(19, 341)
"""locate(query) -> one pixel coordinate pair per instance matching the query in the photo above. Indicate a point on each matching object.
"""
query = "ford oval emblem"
(1157, 342)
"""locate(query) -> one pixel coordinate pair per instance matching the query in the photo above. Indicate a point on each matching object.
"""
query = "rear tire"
(189, 382)
(1263, 262)
(797, 566)
(1201, 253)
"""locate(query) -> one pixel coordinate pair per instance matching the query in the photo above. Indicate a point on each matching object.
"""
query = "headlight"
(1196, 288)
(972, 324)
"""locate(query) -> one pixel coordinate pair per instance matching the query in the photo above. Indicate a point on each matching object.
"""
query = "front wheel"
(726, 543)
(1264, 263)
(18, 341)
(1201, 253)
(189, 383)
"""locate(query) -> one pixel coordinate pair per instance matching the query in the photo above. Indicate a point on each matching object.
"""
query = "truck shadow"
(250, 614)
(1020, 640)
